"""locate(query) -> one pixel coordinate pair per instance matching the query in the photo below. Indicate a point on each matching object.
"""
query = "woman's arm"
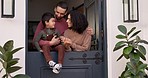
(85, 46)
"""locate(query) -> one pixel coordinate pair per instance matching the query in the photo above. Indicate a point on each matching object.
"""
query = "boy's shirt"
(45, 34)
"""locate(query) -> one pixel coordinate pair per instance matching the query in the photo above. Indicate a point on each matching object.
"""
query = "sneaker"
(51, 64)
(56, 68)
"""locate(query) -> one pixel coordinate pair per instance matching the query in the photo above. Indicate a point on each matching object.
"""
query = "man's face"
(59, 12)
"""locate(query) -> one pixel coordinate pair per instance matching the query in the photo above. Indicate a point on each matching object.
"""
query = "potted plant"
(8, 61)
(133, 51)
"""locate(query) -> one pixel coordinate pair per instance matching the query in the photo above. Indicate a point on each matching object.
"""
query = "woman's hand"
(67, 42)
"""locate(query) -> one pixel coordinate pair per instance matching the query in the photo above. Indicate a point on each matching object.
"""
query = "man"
(60, 24)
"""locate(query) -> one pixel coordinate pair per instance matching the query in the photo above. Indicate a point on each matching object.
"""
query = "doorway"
(90, 64)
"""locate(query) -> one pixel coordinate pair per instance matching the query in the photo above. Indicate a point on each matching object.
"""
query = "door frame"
(104, 24)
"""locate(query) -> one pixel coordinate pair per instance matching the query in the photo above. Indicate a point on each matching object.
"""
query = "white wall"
(14, 29)
(114, 18)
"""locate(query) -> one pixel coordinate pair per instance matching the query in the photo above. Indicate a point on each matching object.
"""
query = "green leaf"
(5, 65)
(135, 33)
(127, 74)
(142, 49)
(9, 56)
(127, 50)
(17, 49)
(13, 69)
(126, 56)
(120, 57)
(8, 46)
(122, 29)
(120, 43)
(1, 57)
(4, 57)
(118, 47)
(142, 41)
(131, 67)
(134, 57)
(131, 30)
(142, 66)
(2, 50)
(121, 37)
(12, 62)
(141, 54)
(21, 76)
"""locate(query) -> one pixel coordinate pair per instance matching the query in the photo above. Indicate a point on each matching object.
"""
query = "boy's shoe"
(51, 64)
(56, 68)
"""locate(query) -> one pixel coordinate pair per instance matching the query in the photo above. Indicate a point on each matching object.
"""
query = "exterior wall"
(114, 18)
(14, 29)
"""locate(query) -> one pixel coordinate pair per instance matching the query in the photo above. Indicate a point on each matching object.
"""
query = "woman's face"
(69, 21)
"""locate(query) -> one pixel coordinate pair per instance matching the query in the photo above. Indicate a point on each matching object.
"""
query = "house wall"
(14, 29)
(114, 18)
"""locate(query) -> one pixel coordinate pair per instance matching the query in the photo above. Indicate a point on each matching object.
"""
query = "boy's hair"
(79, 21)
(63, 5)
(46, 17)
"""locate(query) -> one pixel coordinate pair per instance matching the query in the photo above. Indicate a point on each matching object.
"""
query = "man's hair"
(79, 21)
(63, 5)
(46, 17)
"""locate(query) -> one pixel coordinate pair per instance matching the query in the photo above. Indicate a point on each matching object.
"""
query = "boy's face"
(51, 23)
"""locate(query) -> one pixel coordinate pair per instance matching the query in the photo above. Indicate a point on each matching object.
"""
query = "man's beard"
(59, 18)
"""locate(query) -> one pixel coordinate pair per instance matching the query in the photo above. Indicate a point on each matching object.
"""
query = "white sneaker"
(56, 68)
(51, 64)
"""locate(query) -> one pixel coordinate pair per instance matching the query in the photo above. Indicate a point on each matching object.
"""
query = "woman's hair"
(46, 17)
(79, 21)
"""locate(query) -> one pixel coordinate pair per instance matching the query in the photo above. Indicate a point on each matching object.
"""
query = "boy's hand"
(54, 41)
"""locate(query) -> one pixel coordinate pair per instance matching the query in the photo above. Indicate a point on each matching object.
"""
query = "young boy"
(50, 34)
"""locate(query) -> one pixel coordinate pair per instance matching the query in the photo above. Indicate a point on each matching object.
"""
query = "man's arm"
(38, 29)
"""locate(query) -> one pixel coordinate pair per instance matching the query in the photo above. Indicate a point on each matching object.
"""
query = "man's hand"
(90, 31)
(54, 41)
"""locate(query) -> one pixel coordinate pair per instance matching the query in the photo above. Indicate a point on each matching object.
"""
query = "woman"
(76, 37)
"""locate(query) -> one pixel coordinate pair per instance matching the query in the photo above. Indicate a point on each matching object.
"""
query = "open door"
(90, 64)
